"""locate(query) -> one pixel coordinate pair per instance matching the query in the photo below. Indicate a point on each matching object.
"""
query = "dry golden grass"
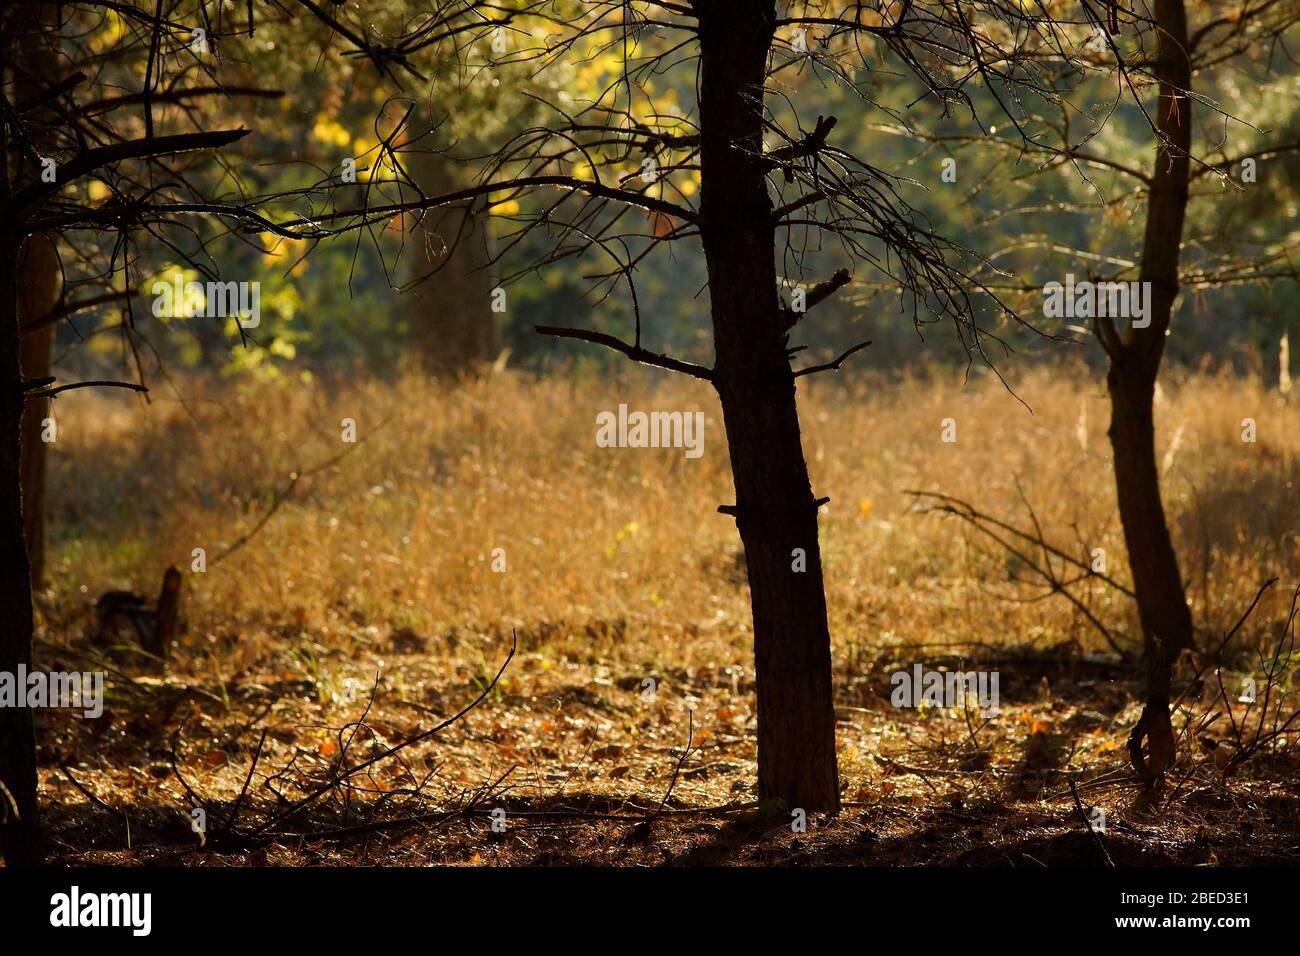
(402, 528)
(619, 566)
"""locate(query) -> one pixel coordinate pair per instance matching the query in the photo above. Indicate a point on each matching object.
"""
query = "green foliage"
(1026, 220)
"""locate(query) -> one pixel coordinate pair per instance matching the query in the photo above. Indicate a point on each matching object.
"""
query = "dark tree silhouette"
(1140, 51)
(766, 191)
(774, 185)
(66, 123)
(1134, 365)
(1135, 356)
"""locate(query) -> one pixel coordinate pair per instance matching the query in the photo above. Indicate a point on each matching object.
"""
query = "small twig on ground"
(234, 813)
(195, 800)
(100, 803)
(690, 738)
(1087, 825)
(320, 791)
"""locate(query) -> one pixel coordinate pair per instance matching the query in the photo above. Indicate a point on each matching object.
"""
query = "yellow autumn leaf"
(330, 131)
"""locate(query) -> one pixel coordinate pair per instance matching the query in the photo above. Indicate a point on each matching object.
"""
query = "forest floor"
(353, 598)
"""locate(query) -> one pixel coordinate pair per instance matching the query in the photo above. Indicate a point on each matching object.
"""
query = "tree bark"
(453, 326)
(776, 512)
(1134, 365)
(32, 50)
(20, 840)
(38, 296)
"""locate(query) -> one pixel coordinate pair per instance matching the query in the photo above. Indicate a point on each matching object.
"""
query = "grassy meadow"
(336, 571)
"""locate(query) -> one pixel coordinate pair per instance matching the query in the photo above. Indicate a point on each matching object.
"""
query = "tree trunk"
(1134, 365)
(776, 512)
(1162, 606)
(38, 296)
(453, 326)
(19, 833)
(32, 50)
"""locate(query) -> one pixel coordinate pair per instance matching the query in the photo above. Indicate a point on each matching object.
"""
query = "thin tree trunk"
(1162, 606)
(32, 48)
(776, 512)
(1134, 366)
(38, 296)
(19, 833)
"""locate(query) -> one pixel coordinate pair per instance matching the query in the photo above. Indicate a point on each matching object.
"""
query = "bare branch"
(636, 354)
(835, 365)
